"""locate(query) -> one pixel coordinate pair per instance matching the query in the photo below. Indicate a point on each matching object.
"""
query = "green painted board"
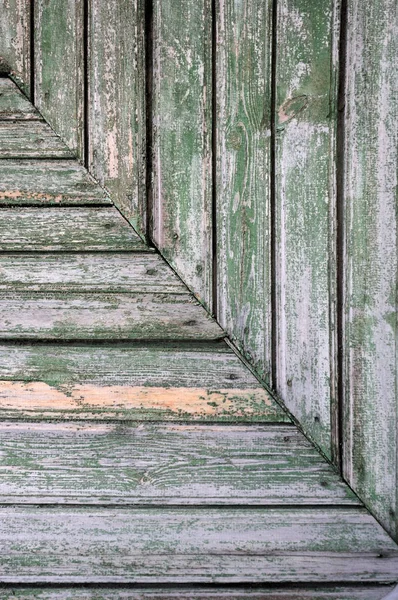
(243, 95)
(370, 295)
(306, 109)
(116, 104)
(100, 463)
(193, 545)
(15, 39)
(30, 139)
(58, 56)
(181, 220)
(13, 103)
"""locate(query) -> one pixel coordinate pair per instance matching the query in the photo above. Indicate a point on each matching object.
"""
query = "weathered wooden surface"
(243, 93)
(116, 111)
(139, 272)
(306, 105)
(58, 56)
(62, 228)
(193, 545)
(30, 139)
(15, 38)
(168, 464)
(74, 316)
(60, 182)
(182, 123)
(370, 303)
(13, 104)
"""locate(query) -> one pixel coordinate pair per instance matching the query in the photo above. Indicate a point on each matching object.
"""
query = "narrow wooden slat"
(306, 105)
(169, 464)
(182, 90)
(30, 139)
(243, 93)
(72, 229)
(116, 80)
(138, 272)
(59, 182)
(193, 545)
(15, 39)
(370, 302)
(59, 51)
(13, 104)
(130, 381)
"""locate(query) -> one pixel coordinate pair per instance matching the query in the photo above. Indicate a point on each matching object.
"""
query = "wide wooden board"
(68, 229)
(58, 56)
(45, 182)
(15, 39)
(243, 94)
(306, 109)
(370, 294)
(181, 220)
(80, 463)
(116, 104)
(124, 545)
(30, 139)
(13, 104)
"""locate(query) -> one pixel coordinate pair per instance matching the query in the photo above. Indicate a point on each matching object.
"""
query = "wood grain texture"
(74, 316)
(13, 104)
(59, 182)
(131, 381)
(30, 139)
(15, 39)
(243, 69)
(370, 303)
(116, 80)
(71, 229)
(306, 105)
(138, 272)
(59, 52)
(182, 123)
(228, 545)
(371, 592)
(78, 463)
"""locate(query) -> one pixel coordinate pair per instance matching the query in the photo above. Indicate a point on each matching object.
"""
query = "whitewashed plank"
(13, 104)
(15, 39)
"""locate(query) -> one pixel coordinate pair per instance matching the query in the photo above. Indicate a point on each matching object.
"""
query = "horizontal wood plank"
(123, 545)
(131, 381)
(164, 464)
(110, 316)
(37, 182)
(30, 139)
(13, 104)
(66, 228)
(126, 272)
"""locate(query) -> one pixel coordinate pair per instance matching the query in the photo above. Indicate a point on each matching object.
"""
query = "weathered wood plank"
(30, 139)
(144, 273)
(182, 124)
(371, 592)
(74, 316)
(15, 39)
(117, 145)
(60, 182)
(243, 64)
(169, 464)
(59, 52)
(13, 104)
(131, 381)
(62, 228)
(99, 545)
(370, 303)
(306, 104)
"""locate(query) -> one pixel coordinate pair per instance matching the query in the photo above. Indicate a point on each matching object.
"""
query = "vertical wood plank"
(182, 158)
(15, 39)
(306, 106)
(117, 103)
(59, 56)
(243, 67)
(370, 340)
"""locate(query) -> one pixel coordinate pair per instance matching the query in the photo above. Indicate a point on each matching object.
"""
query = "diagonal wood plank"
(30, 139)
(13, 104)
(98, 545)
